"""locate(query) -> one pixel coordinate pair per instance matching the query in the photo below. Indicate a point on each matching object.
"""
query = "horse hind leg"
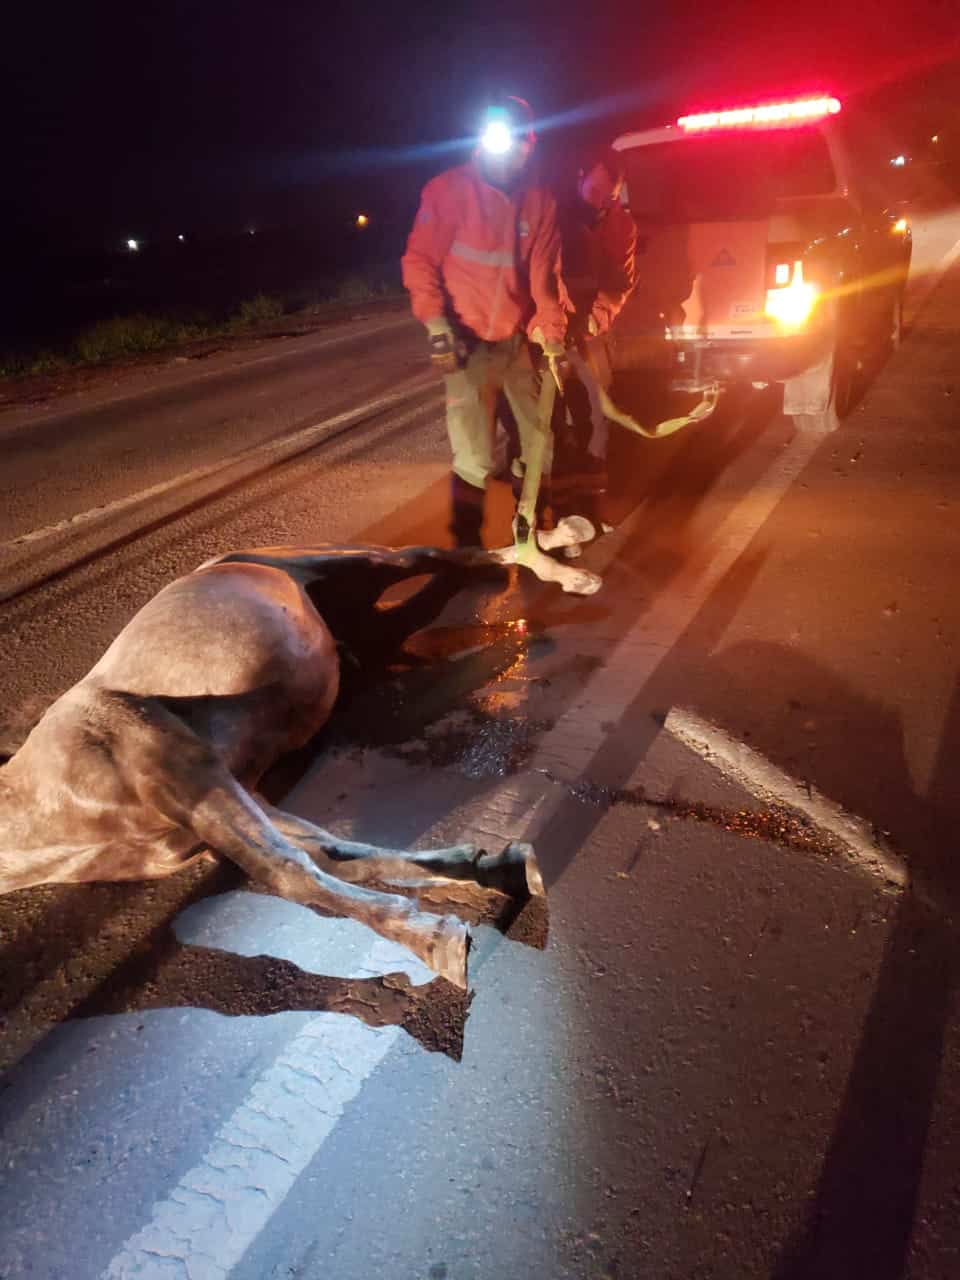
(462, 878)
(181, 775)
(279, 863)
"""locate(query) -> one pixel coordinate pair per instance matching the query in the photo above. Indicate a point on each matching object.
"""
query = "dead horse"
(149, 762)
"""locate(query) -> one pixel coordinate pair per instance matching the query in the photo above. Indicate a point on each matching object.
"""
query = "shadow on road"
(861, 1220)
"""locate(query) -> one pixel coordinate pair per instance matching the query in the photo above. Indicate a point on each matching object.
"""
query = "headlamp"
(497, 136)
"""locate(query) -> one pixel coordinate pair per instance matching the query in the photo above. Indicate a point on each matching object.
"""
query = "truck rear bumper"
(695, 365)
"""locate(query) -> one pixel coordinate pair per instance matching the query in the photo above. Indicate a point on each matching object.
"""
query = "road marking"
(296, 440)
(743, 765)
(917, 297)
(216, 1211)
(581, 732)
(202, 1229)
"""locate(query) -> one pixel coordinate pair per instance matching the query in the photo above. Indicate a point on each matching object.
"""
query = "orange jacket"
(488, 257)
(599, 262)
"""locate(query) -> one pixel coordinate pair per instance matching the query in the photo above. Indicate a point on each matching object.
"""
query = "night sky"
(155, 117)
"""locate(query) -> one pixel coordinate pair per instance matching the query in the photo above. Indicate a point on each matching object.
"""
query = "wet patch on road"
(774, 825)
(477, 743)
(474, 699)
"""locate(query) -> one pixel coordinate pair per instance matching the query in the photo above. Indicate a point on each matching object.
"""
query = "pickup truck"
(772, 253)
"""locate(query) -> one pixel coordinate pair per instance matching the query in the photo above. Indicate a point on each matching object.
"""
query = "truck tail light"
(790, 298)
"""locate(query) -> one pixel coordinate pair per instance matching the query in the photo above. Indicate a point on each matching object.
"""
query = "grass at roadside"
(140, 333)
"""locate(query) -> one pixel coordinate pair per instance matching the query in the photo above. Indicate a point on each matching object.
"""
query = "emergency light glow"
(790, 305)
(901, 226)
(496, 138)
(771, 113)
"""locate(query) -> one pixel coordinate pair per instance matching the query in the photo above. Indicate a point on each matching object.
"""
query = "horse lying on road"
(148, 763)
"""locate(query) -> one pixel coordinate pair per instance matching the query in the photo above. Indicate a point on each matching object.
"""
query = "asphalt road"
(739, 1054)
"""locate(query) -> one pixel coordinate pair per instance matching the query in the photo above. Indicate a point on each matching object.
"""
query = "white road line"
(295, 440)
(579, 734)
(204, 1227)
(918, 295)
(201, 1230)
(737, 761)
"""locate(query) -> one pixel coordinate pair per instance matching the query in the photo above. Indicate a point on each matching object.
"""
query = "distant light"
(901, 226)
(133, 245)
(898, 161)
(362, 220)
(496, 138)
(180, 238)
(935, 138)
(766, 114)
(252, 231)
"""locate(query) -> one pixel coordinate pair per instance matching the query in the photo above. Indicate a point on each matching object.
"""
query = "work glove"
(593, 328)
(444, 355)
(555, 354)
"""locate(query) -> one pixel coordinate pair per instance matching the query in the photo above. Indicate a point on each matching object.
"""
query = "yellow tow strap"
(699, 413)
(527, 507)
(524, 535)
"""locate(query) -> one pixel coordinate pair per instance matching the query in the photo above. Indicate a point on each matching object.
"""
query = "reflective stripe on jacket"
(487, 256)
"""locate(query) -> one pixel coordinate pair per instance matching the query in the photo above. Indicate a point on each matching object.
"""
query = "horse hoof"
(570, 531)
(580, 582)
(449, 951)
(514, 871)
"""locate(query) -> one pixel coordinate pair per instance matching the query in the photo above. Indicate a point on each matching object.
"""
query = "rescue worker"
(481, 268)
(598, 240)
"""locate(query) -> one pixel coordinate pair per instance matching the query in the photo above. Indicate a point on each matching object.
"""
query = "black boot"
(466, 521)
(466, 512)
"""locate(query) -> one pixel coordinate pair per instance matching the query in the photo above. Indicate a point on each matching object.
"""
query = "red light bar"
(772, 113)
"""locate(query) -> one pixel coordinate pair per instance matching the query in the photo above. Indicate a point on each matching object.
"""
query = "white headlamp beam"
(497, 138)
